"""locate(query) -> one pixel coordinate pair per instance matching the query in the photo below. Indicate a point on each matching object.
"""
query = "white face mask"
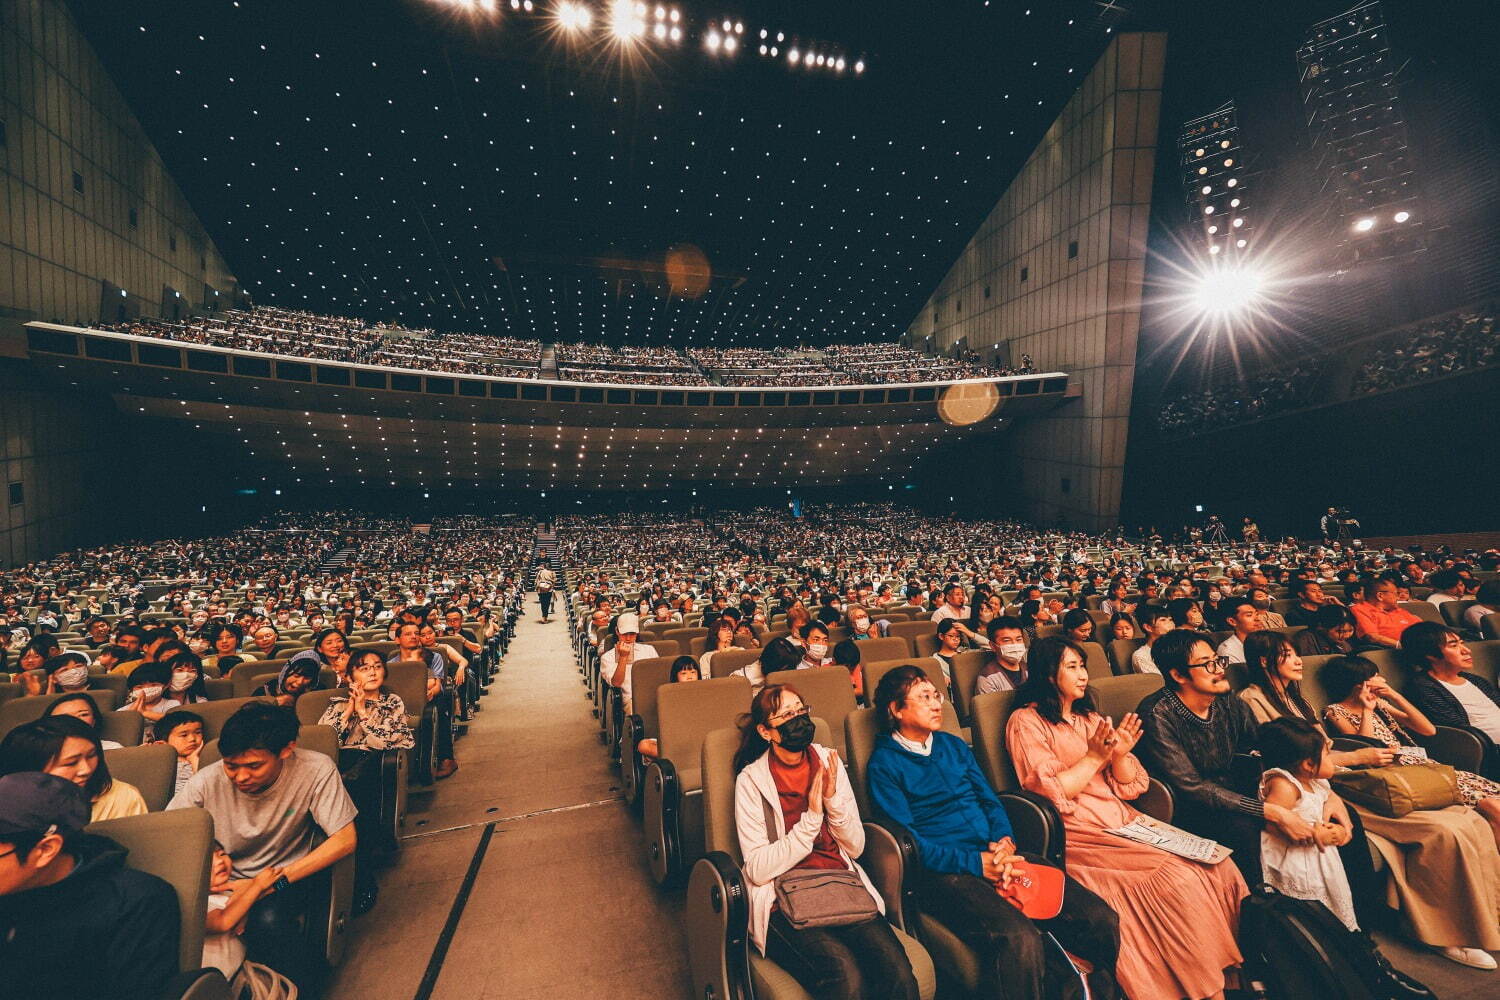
(150, 692)
(183, 679)
(1012, 652)
(72, 676)
(816, 650)
(861, 625)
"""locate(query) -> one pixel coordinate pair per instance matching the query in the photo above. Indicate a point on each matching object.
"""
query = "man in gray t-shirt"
(270, 801)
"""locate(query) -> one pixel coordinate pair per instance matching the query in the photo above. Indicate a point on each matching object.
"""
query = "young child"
(148, 696)
(1296, 778)
(184, 732)
(228, 903)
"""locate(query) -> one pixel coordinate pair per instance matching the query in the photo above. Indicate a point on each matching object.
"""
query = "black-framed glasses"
(778, 719)
(1217, 665)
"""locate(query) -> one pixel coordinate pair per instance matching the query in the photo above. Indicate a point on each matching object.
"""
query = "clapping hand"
(1102, 740)
(1127, 734)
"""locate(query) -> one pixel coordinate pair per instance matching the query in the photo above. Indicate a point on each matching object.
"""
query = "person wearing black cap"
(74, 921)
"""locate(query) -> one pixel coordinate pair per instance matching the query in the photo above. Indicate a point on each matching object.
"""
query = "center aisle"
(562, 904)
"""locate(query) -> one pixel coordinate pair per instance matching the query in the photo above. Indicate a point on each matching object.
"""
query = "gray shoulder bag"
(818, 897)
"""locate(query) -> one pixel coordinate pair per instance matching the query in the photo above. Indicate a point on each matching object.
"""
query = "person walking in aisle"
(546, 580)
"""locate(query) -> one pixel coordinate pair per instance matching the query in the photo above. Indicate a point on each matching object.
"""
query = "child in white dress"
(1296, 778)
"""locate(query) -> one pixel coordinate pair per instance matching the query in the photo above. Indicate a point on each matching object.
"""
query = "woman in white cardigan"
(786, 778)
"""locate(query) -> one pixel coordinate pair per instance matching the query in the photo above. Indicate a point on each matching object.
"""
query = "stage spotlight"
(574, 16)
(1364, 225)
(730, 44)
(712, 41)
(1228, 289)
(1402, 216)
(627, 20)
(859, 67)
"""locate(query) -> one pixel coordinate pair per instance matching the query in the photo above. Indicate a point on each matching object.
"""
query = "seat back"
(991, 714)
(1486, 659)
(890, 647)
(647, 677)
(669, 648)
(175, 847)
(726, 662)
(1424, 610)
(214, 713)
(873, 671)
(1489, 626)
(248, 675)
(29, 708)
(1453, 611)
(1096, 661)
(688, 712)
(862, 727)
(152, 769)
(1311, 685)
(1120, 652)
(717, 767)
(118, 683)
(828, 690)
(684, 636)
(409, 681)
(910, 630)
(310, 706)
(1116, 696)
(966, 667)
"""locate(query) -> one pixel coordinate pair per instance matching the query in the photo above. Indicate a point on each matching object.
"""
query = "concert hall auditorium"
(749, 500)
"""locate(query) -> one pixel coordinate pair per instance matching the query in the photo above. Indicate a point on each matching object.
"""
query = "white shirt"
(1483, 715)
(643, 651)
(1475, 615)
(1438, 597)
(946, 611)
(1234, 648)
(1142, 662)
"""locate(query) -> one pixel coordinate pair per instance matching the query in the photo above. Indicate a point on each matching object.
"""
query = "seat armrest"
(1156, 801)
(717, 911)
(883, 834)
(1464, 748)
(1037, 825)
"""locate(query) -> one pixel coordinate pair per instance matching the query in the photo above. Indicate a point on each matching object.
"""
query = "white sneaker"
(1474, 958)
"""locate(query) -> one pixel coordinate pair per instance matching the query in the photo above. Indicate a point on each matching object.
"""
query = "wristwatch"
(281, 884)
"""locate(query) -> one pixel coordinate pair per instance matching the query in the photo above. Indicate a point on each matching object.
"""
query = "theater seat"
(152, 769)
(1116, 696)
(248, 675)
(213, 713)
(673, 802)
(887, 648)
(175, 847)
(646, 679)
(965, 682)
(29, 708)
(722, 961)
(829, 693)
(1453, 611)
(874, 670)
(1039, 824)
(1120, 652)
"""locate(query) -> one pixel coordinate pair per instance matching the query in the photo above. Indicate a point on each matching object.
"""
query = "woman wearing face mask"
(794, 810)
(814, 646)
(82, 707)
(67, 673)
(720, 639)
(148, 696)
(186, 683)
(68, 748)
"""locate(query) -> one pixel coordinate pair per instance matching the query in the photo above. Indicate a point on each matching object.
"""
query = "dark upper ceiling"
(378, 159)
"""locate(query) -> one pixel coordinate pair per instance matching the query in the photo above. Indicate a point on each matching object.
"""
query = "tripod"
(1343, 534)
(1215, 534)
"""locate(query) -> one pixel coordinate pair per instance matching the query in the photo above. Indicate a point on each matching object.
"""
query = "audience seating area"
(1463, 341)
(773, 573)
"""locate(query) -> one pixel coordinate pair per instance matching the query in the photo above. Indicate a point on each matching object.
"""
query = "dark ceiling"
(474, 171)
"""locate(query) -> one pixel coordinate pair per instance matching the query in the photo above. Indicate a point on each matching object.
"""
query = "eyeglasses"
(1217, 665)
(935, 698)
(778, 719)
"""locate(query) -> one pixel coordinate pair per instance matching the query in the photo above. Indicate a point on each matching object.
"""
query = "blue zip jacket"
(942, 799)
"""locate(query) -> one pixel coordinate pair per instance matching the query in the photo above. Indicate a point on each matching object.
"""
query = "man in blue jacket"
(927, 780)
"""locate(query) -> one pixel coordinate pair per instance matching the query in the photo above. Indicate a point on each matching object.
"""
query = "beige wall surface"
(66, 126)
(84, 200)
(1087, 183)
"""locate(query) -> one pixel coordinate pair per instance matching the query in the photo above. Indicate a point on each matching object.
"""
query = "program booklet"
(1146, 830)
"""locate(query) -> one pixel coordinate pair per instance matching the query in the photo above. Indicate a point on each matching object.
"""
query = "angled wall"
(87, 209)
(1055, 271)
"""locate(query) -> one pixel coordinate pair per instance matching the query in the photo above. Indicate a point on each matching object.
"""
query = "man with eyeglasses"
(1193, 731)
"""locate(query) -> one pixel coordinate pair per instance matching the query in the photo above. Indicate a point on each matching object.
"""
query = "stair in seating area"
(546, 545)
(336, 561)
(548, 364)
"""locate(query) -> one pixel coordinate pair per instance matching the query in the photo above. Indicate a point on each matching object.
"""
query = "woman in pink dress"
(1177, 917)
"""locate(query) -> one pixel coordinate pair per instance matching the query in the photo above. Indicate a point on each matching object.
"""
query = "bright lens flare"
(574, 16)
(1225, 291)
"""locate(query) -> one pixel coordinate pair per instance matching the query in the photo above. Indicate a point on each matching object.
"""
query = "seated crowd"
(1272, 688)
(232, 655)
(1464, 341)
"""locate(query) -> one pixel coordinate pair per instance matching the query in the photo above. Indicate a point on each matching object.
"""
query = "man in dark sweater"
(1193, 730)
(74, 921)
(927, 780)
